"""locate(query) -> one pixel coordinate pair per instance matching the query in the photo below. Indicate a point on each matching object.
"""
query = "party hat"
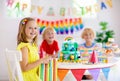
(93, 58)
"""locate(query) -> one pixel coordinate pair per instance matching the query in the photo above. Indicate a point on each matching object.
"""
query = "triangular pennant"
(78, 73)
(94, 73)
(62, 73)
(106, 72)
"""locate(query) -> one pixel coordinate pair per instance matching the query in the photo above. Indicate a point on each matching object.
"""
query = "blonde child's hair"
(21, 37)
(46, 30)
(87, 30)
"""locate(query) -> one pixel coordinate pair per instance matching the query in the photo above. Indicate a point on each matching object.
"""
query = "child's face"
(49, 36)
(31, 30)
(88, 37)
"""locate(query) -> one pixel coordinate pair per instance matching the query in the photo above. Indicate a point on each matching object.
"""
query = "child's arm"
(52, 55)
(25, 65)
(55, 55)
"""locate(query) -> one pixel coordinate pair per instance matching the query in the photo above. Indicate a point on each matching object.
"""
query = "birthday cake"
(69, 52)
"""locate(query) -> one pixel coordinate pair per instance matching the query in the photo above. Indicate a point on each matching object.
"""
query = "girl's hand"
(46, 60)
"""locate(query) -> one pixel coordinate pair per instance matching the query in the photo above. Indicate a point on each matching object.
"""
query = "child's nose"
(33, 30)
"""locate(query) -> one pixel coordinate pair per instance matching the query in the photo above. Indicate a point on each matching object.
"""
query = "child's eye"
(30, 27)
(35, 28)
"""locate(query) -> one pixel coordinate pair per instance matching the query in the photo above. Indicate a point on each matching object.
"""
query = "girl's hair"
(21, 37)
(46, 30)
(87, 30)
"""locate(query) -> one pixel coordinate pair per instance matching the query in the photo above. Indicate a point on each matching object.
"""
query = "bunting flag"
(94, 73)
(64, 26)
(106, 72)
(78, 73)
(62, 73)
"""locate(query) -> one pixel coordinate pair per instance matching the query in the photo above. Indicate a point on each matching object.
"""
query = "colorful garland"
(62, 26)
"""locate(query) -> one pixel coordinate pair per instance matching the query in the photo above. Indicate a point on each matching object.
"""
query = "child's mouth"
(32, 33)
(50, 37)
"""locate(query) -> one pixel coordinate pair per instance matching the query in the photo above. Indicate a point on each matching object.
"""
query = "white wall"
(9, 28)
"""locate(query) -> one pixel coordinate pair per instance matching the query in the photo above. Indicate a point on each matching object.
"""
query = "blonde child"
(49, 48)
(49, 45)
(89, 45)
(27, 44)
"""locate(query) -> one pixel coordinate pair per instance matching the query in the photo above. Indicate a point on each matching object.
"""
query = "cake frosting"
(69, 50)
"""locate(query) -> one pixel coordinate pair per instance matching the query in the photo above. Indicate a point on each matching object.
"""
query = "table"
(79, 69)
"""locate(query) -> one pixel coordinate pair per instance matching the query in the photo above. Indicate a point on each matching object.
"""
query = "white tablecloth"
(114, 73)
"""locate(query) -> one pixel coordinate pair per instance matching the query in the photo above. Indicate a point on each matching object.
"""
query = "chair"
(14, 70)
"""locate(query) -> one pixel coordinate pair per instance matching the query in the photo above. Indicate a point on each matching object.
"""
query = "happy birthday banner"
(76, 8)
(64, 26)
